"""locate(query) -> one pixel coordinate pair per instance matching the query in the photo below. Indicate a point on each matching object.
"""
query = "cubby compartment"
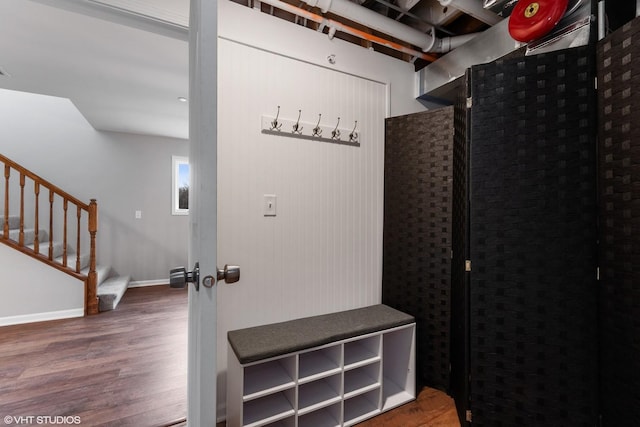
(361, 351)
(319, 363)
(362, 379)
(316, 394)
(398, 383)
(361, 407)
(269, 377)
(269, 409)
(329, 416)
(287, 422)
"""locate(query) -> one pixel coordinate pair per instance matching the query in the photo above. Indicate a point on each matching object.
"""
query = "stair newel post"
(79, 215)
(7, 174)
(21, 235)
(92, 294)
(36, 220)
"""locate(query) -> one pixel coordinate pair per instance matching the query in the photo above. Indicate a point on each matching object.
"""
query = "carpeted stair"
(111, 287)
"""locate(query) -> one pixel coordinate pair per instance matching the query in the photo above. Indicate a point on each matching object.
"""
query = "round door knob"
(230, 273)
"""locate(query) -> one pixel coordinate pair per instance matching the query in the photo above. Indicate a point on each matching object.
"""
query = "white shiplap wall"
(323, 251)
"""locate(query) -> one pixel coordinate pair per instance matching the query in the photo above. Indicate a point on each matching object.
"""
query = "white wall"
(323, 251)
(124, 172)
(58, 294)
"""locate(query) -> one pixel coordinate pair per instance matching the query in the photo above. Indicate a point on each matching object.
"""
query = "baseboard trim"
(144, 283)
(41, 317)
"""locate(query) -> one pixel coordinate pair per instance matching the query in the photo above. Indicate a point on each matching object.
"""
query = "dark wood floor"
(121, 368)
(128, 368)
(432, 408)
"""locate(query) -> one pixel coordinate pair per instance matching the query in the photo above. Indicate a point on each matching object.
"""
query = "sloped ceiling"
(121, 78)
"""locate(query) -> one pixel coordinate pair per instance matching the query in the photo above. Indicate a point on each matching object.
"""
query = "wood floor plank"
(119, 368)
(432, 408)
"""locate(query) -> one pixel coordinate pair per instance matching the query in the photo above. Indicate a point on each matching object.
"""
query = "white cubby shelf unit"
(338, 382)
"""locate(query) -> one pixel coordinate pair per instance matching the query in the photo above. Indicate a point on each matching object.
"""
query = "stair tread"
(29, 235)
(71, 260)
(112, 283)
(43, 249)
(14, 221)
(111, 291)
(103, 272)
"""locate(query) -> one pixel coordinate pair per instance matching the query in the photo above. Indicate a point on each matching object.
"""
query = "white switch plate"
(138, 214)
(269, 206)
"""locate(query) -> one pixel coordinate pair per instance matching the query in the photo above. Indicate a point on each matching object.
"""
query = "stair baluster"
(79, 215)
(21, 235)
(36, 219)
(50, 224)
(7, 174)
(65, 205)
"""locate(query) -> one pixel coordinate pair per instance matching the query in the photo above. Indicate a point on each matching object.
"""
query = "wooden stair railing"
(90, 210)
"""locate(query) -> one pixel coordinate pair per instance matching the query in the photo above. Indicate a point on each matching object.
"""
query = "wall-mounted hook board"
(307, 130)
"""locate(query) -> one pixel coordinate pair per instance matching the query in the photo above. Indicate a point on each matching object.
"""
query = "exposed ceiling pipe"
(338, 26)
(474, 8)
(378, 22)
(447, 44)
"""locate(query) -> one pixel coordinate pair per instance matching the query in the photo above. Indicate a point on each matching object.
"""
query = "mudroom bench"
(330, 370)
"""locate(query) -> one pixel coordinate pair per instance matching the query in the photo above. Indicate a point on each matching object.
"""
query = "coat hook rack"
(353, 136)
(296, 127)
(335, 133)
(274, 124)
(316, 130)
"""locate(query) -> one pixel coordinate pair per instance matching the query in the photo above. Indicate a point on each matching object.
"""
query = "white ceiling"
(124, 63)
(121, 78)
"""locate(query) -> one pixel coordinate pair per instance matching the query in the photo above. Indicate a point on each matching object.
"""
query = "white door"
(201, 395)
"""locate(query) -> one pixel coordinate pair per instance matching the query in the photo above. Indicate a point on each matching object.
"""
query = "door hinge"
(469, 416)
(469, 102)
(467, 265)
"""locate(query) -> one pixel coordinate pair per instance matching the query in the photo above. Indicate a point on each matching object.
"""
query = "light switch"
(138, 214)
(269, 208)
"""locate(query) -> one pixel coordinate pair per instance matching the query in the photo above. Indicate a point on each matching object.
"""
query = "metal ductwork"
(438, 81)
(398, 30)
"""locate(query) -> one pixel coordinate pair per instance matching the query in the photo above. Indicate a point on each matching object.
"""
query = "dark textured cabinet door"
(618, 61)
(533, 232)
(417, 233)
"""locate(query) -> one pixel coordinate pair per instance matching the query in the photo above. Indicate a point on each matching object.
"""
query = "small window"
(180, 189)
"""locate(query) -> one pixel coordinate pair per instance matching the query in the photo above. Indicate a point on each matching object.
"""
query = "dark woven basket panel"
(417, 233)
(459, 285)
(533, 290)
(618, 59)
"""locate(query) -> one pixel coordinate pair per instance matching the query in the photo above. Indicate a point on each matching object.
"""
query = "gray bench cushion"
(262, 342)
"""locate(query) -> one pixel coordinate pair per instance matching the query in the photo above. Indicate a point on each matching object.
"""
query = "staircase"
(52, 245)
